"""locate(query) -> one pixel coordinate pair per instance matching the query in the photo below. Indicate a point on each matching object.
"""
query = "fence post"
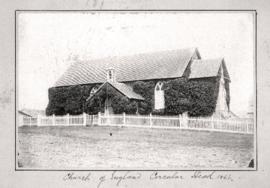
(84, 119)
(150, 120)
(67, 116)
(53, 120)
(185, 120)
(124, 118)
(30, 121)
(99, 118)
(247, 126)
(180, 120)
(212, 122)
(38, 120)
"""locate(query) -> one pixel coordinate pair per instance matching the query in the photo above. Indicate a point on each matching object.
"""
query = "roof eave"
(193, 78)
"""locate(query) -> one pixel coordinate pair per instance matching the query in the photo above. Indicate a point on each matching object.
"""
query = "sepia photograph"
(136, 90)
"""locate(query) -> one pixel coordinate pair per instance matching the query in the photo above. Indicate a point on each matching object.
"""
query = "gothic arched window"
(222, 104)
(159, 96)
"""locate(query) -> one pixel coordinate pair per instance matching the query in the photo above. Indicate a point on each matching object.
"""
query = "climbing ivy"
(197, 97)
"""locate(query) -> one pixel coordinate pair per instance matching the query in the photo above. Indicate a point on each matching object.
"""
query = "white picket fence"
(67, 120)
(145, 121)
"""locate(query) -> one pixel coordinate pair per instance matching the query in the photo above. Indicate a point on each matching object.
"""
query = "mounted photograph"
(136, 90)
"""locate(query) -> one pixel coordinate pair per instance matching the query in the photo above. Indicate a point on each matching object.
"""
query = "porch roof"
(124, 89)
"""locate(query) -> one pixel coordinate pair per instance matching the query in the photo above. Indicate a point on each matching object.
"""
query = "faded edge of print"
(151, 90)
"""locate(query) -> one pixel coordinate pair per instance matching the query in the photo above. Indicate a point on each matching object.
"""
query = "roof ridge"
(139, 53)
(209, 59)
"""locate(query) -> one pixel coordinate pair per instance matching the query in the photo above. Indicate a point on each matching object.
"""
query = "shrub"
(57, 101)
(69, 99)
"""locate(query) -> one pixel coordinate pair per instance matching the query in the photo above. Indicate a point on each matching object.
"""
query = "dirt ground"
(131, 148)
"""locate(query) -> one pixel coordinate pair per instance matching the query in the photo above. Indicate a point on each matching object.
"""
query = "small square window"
(110, 74)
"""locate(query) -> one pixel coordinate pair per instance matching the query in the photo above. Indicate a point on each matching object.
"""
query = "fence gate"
(91, 120)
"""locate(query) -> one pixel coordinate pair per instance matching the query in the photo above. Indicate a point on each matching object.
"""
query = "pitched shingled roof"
(122, 88)
(126, 90)
(157, 65)
(207, 68)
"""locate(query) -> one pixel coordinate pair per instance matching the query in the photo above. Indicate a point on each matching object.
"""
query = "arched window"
(93, 90)
(159, 96)
(222, 104)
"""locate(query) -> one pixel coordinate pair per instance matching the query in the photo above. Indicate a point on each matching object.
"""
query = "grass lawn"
(132, 148)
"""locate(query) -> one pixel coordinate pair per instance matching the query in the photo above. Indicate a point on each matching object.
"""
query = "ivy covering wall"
(197, 97)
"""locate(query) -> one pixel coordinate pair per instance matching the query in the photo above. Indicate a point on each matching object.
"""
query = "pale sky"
(47, 42)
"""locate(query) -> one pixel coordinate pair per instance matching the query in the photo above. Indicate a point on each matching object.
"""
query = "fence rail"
(169, 122)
